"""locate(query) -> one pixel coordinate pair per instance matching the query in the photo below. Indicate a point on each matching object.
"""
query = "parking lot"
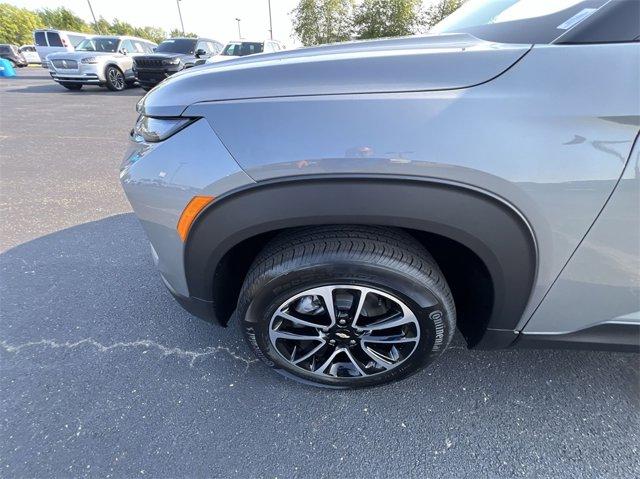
(103, 374)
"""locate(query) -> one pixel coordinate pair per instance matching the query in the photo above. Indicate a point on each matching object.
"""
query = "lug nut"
(342, 321)
(352, 342)
(332, 342)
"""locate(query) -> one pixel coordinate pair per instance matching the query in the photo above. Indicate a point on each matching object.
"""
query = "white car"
(30, 53)
(52, 41)
(100, 60)
(241, 48)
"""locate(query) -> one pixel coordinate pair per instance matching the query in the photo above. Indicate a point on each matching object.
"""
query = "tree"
(62, 18)
(387, 18)
(323, 21)
(17, 24)
(178, 33)
(441, 10)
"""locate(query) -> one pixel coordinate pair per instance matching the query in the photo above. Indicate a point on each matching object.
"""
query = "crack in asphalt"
(142, 343)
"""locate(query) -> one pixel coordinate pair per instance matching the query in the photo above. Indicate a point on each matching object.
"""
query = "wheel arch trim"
(491, 227)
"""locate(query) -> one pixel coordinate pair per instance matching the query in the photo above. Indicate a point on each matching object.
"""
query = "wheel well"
(466, 274)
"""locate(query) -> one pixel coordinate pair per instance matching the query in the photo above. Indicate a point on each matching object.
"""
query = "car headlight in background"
(158, 129)
(171, 61)
(89, 60)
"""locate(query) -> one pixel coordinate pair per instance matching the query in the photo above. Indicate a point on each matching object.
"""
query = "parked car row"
(75, 59)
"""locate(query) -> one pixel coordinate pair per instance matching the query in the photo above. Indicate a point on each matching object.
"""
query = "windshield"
(242, 49)
(6, 49)
(518, 21)
(99, 44)
(181, 45)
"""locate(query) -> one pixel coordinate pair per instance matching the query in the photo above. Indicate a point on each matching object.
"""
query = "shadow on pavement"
(102, 369)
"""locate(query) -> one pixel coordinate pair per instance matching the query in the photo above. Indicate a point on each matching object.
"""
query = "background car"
(243, 48)
(30, 53)
(13, 55)
(171, 56)
(99, 60)
(51, 41)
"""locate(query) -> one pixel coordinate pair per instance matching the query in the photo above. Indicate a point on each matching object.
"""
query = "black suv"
(11, 53)
(171, 56)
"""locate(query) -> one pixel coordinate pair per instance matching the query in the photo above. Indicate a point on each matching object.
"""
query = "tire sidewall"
(260, 301)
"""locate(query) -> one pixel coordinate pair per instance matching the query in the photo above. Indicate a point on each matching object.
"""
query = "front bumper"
(150, 77)
(85, 74)
(159, 180)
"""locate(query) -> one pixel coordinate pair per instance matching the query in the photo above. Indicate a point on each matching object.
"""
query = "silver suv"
(352, 205)
(100, 60)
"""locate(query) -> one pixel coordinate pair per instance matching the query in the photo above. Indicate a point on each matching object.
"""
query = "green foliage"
(387, 18)
(178, 33)
(441, 10)
(62, 18)
(17, 24)
(323, 21)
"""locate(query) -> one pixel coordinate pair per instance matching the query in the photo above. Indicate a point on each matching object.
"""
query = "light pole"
(95, 22)
(239, 34)
(270, 24)
(180, 13)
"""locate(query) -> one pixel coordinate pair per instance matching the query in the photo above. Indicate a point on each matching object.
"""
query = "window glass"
(75, 39)
(137, 47)
(99, 44)
(40, 39)
(149, 47)
(518, 21)
(127, 46)
(244, 48)
(177, 45)
(54, 39)
(202, 46)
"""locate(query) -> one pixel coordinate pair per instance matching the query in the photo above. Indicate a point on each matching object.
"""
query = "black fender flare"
(486, 224)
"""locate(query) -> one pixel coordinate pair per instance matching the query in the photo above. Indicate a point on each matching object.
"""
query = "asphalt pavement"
(102, 374)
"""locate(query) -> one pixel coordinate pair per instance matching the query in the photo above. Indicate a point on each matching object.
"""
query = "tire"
(115, 78)
(407, 314)
(71, 86)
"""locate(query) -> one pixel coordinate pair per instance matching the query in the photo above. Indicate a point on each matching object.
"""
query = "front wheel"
(115, 78)
(346, 306)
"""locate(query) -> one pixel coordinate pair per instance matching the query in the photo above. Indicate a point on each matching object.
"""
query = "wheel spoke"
(389, 323)
(325, 365)
(326, 293)
(392, 339)
(354, 362)
(295, 337)
(361, 300)
(309, 354)
(377, 358)
(301, 322)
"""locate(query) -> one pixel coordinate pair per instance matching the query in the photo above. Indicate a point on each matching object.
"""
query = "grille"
(148, 62)
(65, 64)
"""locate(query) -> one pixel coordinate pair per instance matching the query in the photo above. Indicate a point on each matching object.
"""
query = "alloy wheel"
(344, 331)
(116, 78)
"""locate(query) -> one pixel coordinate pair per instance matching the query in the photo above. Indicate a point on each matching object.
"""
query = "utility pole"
(180, 13)
(95, 22)
(239, 34)
(270, 24)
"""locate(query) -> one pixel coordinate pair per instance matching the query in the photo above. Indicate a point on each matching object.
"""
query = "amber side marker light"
(190, 212)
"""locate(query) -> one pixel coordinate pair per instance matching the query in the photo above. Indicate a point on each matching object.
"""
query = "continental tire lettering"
(436, 317)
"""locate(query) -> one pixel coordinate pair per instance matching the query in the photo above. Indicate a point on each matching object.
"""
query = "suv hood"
(422, 63)
(164, 56)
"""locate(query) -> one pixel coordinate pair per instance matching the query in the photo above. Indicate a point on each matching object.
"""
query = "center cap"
(343, 335)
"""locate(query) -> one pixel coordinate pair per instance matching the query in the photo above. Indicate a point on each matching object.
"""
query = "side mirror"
(201, 53)
(123, 51)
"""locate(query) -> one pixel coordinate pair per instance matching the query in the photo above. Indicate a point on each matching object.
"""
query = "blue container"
(6, 70)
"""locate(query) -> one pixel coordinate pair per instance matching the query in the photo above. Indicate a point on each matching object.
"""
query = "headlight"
(158, 129)
(89, 60)
(171, 61)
